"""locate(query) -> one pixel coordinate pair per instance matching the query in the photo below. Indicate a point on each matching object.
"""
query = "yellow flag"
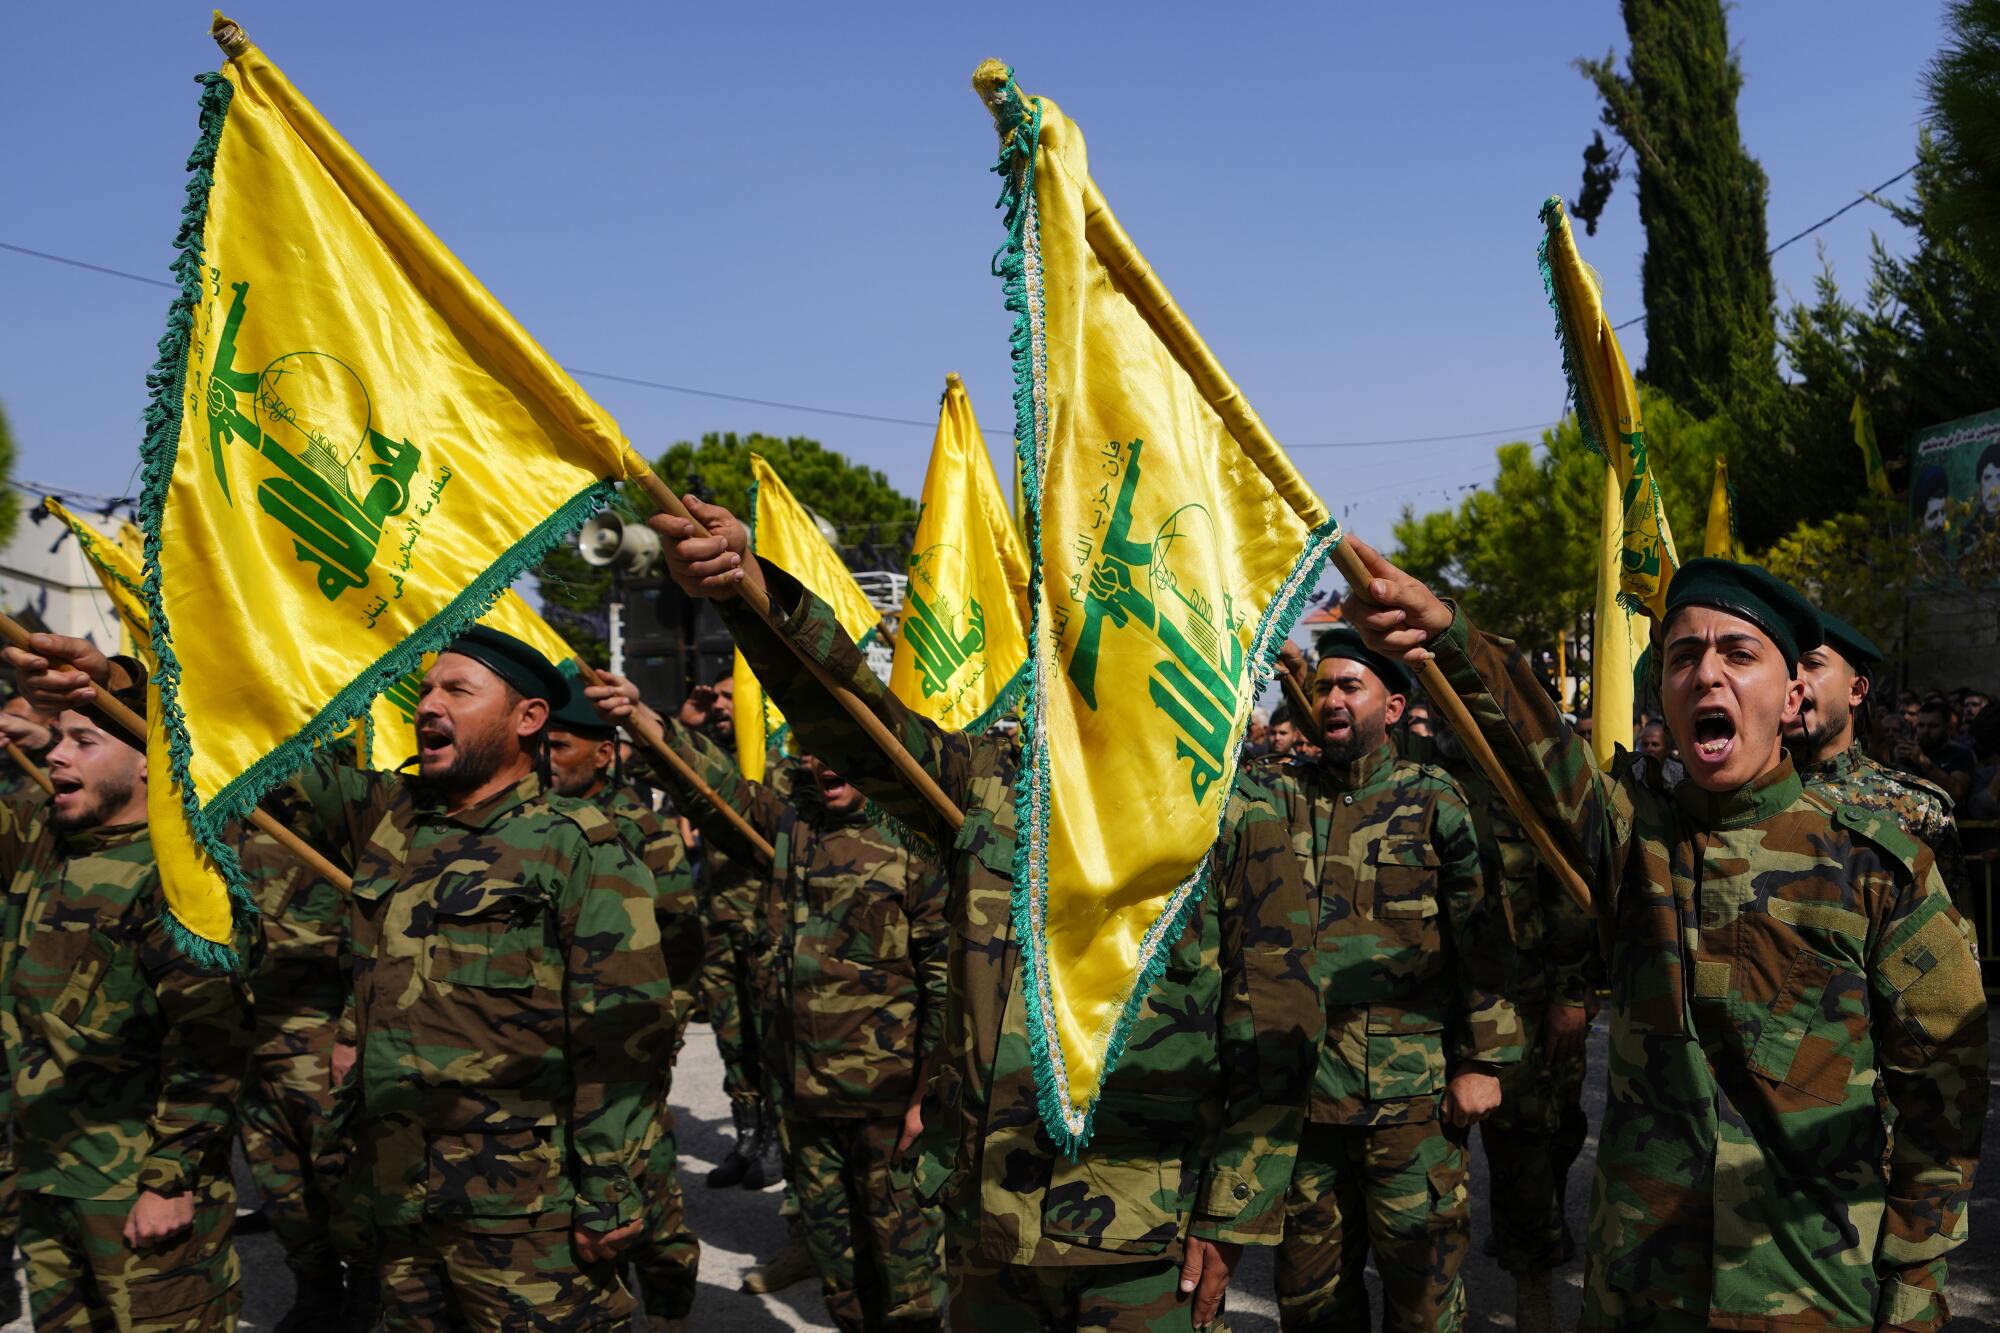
(1619, 638)
(962, 643)
(120, 565)
(785, 530)
(1607, 407)
(1172, 546)
(391, 736)
(352, 449)
(1864, 440)
(1720, 539)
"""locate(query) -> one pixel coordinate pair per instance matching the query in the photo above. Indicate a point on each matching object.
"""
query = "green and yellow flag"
(1720, 538)
(1172, 545)
(120, 565)
(1871, 454)
(785, 530)
(1619, 638)
(962, 642)
(1607, 407)
(352, 450)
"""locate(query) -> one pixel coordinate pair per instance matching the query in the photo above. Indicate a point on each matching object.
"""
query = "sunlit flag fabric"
(1720, 537)
(351, 450)
(392, 735)
(1871, 453)
(1619, 636)
(120, 565)
(785, 530)
(962, 641)
(1607, 407)
(1171, 547)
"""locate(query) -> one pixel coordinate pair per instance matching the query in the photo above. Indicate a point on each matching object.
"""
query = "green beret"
(1859, 650)
(1753, 593)
(515, 662)
(579, 715)
(1345, 641)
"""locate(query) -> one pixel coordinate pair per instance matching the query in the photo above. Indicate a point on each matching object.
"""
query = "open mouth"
(1714, 734)
(65, 786)
(1337, 726)
(432, 740)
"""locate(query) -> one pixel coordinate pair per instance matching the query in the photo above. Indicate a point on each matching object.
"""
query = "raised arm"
(717, 566)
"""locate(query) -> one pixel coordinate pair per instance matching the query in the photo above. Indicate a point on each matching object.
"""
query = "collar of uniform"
(488, 810)
(1749, 804)
(1358, 773)
(103, 837)
(1833, 767)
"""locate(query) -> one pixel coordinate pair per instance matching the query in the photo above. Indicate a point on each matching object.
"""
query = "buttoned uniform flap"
(1130, 1205)
(1805, 1037)
(1405, 871)
(1405, 1051)
(934, 1156)
(491, 932)
(57, 970)
(881, 929)
(495, 1173)
(986, 840)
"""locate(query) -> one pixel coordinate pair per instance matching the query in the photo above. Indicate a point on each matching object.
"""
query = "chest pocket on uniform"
(881, 929)
(493, 934)
(1405, 871)
(1799, 1045)
(60, 971)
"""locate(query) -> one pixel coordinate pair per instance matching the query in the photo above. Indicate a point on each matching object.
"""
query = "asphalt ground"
(738, 1228)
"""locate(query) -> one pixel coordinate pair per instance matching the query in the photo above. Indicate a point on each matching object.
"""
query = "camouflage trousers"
(1531, 1143)
(483, 1275)
(879, 1249)
(667, 1256)
(286, 1099)
(728, 994)
(1141, 1297)
(83, 1276)
(1396, 1190)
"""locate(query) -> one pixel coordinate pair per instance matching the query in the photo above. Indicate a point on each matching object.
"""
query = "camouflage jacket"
(1921, 809)
(124, 1060)
(1412, 956)
(1774, 958)
(852, 944)
(299, 965)
(1556, 956)
(510, 1000)
(655, 840)
(1197, 1127)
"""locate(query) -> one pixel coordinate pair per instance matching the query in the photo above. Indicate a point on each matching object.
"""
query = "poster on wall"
(1955, 497)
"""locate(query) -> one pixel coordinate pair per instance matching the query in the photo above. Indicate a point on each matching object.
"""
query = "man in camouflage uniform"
(1197, 1126)
(124, 1059)
(731, 887)
(582, 756)
(853, 945)
(299, 981)
(21, 724)
(1775, 958)
(1838, 675)
(1413, 960)
(509, 1002)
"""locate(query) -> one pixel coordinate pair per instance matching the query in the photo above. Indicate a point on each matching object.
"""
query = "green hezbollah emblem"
(1135, 584)
(944, 642)
(310, 415)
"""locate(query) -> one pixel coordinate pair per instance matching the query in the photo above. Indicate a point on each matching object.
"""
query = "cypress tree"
(1710, 337)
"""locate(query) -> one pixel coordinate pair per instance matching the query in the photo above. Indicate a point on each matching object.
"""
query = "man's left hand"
(601, 1247)
(156, 1219)
(1205, 1276)
(1565, 1027)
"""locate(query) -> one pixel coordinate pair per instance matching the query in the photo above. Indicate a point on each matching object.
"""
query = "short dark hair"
(1281, 716)
(1988, 457)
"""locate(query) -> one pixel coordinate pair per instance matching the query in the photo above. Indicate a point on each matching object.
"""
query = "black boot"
(734, 1166)
(766, 1153)
(316, 1302)
(10, 1289)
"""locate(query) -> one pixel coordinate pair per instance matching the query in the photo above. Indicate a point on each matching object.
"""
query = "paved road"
(738, 1228)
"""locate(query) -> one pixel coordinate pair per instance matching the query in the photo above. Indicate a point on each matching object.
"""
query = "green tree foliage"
(10, 501)
(1707, 279)
(874, 519)
(1963, 88)
(1521, 555)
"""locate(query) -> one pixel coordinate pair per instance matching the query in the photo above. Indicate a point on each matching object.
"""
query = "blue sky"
(793, 202)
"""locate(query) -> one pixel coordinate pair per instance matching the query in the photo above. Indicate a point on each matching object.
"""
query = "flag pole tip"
(228, 35)
(952, 381)
(990, 78)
